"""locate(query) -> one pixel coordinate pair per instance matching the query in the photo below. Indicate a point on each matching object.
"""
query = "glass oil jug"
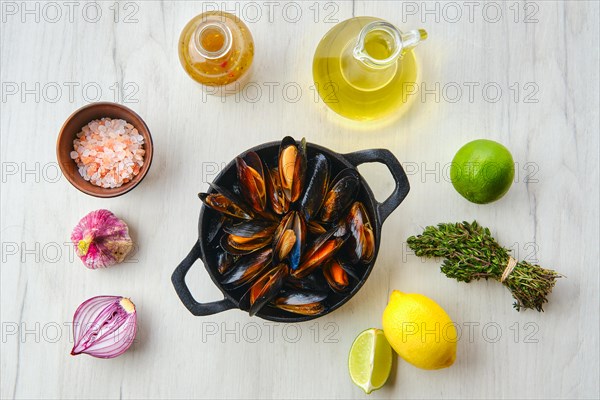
(216, 50)
(364, 68)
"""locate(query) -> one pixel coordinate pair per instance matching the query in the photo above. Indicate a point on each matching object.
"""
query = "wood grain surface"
(522, 73)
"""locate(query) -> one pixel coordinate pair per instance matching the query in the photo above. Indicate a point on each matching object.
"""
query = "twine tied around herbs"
(512, 263)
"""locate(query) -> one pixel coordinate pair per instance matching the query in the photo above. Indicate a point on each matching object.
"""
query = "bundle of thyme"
(471, 253)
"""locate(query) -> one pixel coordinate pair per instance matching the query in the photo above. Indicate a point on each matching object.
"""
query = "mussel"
(247, 268)
(289, 240)
(315, 228)
(292, 168)
(285, 244)
(315, 187)
(322, 250)
(224, 261)
(239, 245)
(342, 193)
(299, 228)
(266, 288)
(361, 243)
(251, 229)
(285, 225)
(336, 276)
(226, 203)
(302, 309)
(215, 225)
(251, 177)
(278, 200)
(301, 302)
(355, 271)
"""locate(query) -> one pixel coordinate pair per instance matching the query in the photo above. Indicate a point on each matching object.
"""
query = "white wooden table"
(524, 74)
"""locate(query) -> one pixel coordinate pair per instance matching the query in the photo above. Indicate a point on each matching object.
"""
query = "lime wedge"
(370, 360)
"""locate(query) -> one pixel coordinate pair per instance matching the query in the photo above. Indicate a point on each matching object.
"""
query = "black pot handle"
(178, 279)
(385, 157)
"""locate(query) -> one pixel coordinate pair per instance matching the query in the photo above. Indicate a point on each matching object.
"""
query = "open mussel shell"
(246, 269)
(355, 271)
(251, 229)
(361, 243)
(284, 226)
(285, 244)
(342, 193)
(322, 250)
(265, 288)
(292, 168)
(315, 186)
(299, 228)
(224, 261)
(239, 246)
(316, 228)
(251, 178)
(226, 202)
(337, 278)
(279, 203)
(285, 223)
(311, 309)
(296, 297)
(288, 239)
(224, 205)
(300, 302)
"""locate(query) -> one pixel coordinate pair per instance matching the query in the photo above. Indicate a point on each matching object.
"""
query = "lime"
(370, 360)
(420, 331)
(482, 171)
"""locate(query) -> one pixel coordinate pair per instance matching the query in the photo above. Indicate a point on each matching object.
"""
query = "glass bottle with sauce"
(364, 67)
(216, 50)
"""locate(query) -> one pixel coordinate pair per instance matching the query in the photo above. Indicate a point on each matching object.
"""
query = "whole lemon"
(420, 331)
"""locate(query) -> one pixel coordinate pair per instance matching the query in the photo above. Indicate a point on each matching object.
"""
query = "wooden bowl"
(74, 124)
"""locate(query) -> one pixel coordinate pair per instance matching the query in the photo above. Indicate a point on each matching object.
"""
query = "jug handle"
(402, 41)
(412, 38)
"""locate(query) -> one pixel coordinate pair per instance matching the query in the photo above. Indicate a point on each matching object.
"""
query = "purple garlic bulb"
(101, 239)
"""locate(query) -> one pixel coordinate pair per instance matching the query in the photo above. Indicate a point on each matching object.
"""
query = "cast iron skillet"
(378, 212)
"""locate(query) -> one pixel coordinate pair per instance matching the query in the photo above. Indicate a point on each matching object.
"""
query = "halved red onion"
(104, 326)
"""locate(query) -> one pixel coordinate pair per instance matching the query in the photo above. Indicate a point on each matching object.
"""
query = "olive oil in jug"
(364, 68)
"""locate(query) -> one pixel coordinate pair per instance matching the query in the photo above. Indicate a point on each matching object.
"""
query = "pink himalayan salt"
(108, 152)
